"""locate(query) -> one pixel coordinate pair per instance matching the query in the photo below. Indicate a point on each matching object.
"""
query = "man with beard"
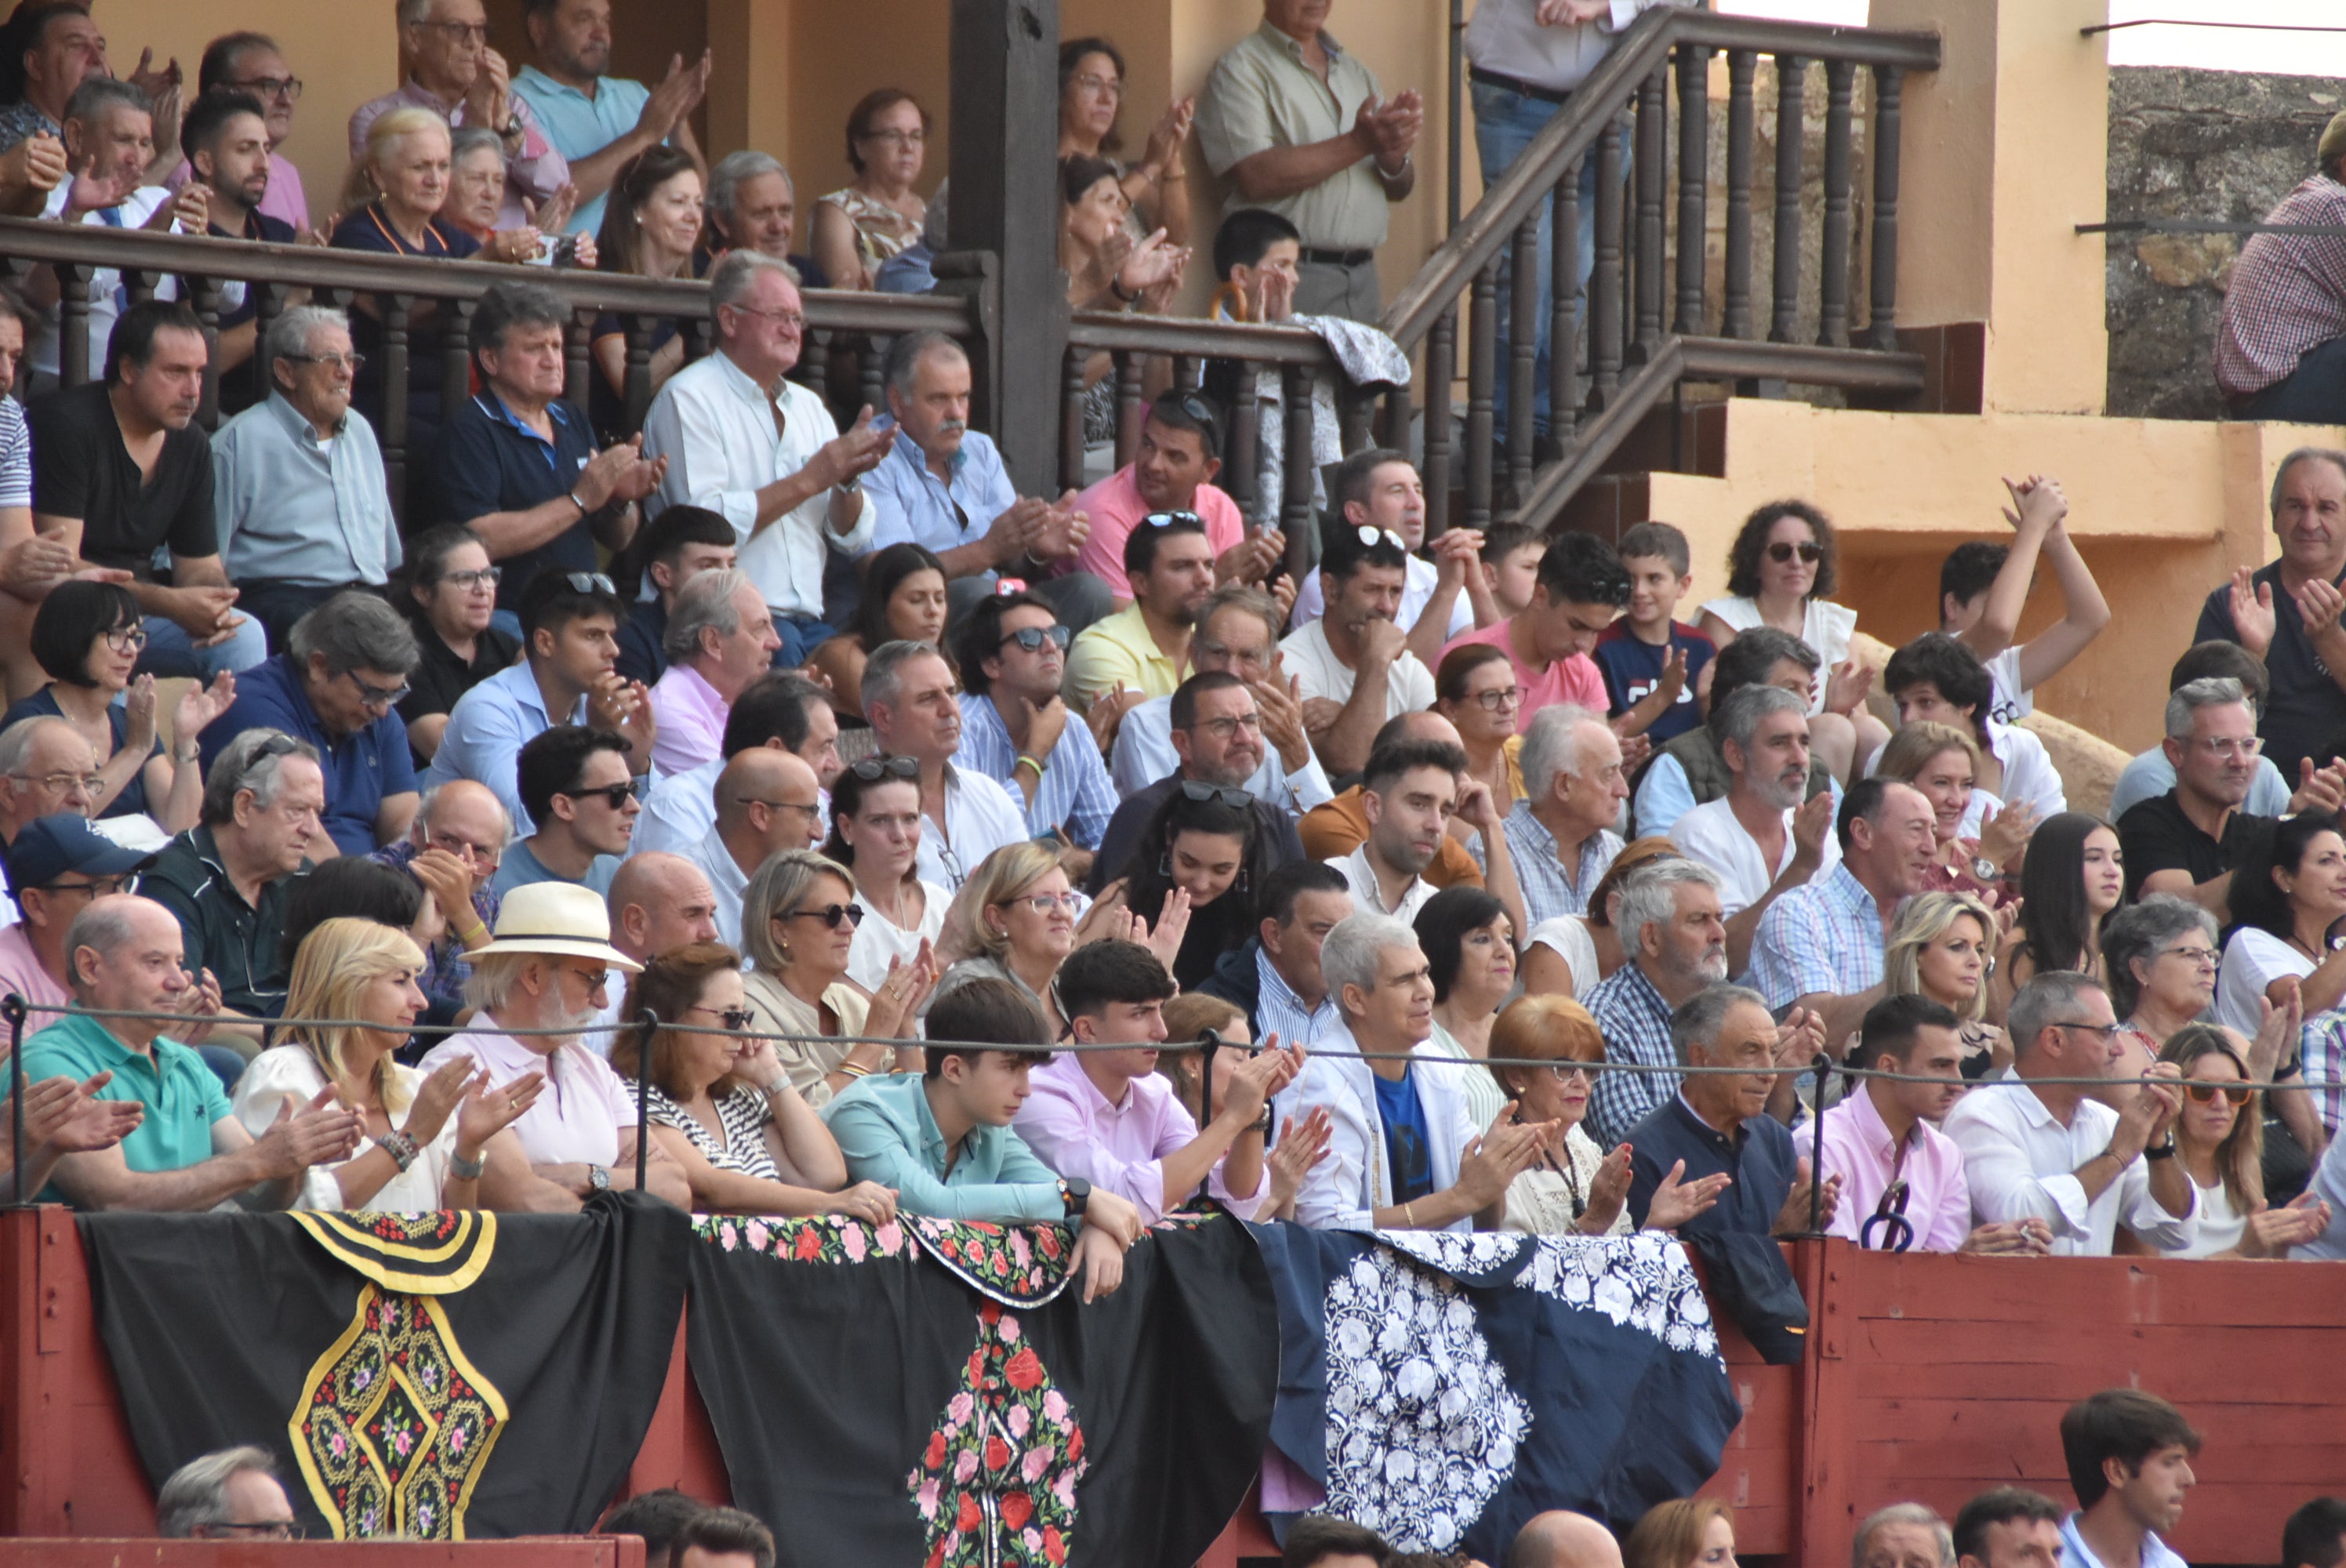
(1353, 665)
(1670, 928)
(1410, 792)
(597, 121)
(226, 135)
(1218, 736)
(1014, 726)
(1137, 653)
(908, 695)
(1760, 837)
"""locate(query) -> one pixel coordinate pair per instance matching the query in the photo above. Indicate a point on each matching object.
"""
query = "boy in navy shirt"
(1646, 647)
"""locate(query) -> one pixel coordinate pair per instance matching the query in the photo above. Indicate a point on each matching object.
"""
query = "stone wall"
(2215, 145)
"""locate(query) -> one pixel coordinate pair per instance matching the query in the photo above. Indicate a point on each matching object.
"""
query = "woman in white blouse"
(2286, 904)
(1780, 570)
(424, 1134)
(1569, 954)
(875, 833)
(2220, 1143)
(1573, 1186)
(1470, 953)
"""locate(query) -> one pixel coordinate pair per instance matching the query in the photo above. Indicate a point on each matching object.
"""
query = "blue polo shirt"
(580, 127)
(488, 461)
(1760, 1156)
(361, 769)
(182, 1096)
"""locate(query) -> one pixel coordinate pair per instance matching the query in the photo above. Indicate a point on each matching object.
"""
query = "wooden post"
(1006, 138)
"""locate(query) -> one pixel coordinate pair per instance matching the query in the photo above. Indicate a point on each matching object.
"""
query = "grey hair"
(1555, 743)
(410, 12)
(103, 925)
(728, 174)
(773, 889)
(883, 670)
(905, 354)
(2329, 454)
(465, 139)
(1243, 596)
(705, 601)
(196, 1495)
(431, 798)
(494, 979)
(730, 280)
(355, 630)
(1904, 1513)
(1740, 715)
(240, 766)
(2044, 1000)
(16, 741)
(98, 94)
(1350, 955)
(288, 334)
(2212, 691)
(1651, 896)
(2144, 930)
(1700, 1016)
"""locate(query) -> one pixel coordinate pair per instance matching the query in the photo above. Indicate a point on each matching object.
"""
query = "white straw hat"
(562, 917)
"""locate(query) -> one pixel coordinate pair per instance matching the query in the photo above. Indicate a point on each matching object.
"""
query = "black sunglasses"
(1783, 550)
(1236, 800)
(1032, 638)
(830, 914)
(614, 795)
(1207, 414)
(872, 769)
(1167, 519)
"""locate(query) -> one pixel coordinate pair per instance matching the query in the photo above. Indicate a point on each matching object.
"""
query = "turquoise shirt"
(580, 127)
(183, 1097)
(885, 1129)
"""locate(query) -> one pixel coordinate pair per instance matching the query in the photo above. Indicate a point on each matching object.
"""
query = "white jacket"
(1344, 1188)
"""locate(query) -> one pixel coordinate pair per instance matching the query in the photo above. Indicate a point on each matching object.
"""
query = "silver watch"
(1985, 869)
(598, 1179)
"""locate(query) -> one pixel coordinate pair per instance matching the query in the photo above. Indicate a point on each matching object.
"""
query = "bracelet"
(854, 1069)
(1116, 286)
(400, 1147)
(1027, 761)
(189, 755)
(1400, 173)
(583, 510)
(776, 1089)
(461, 1169)
(479, 928)
(2283, 1075)
(2164, 1151)
(1408, 1219)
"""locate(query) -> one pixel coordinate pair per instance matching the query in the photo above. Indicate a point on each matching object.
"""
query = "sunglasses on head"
(1372, 536)
(2204, 1094)
(1236, 800)
(612, 795)
(1205, 414)
(589, 583)
(872, 769)
(830, 914)
(1781, 552)
(1032, 638)
(1167, 519)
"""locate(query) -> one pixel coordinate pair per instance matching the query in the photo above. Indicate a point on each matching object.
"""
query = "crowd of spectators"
(1519, 893)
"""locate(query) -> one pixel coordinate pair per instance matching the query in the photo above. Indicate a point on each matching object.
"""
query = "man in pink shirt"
(1173, 472)
(1582, 589)
(1107, 1116)
(1884, 1144)
(721, 637)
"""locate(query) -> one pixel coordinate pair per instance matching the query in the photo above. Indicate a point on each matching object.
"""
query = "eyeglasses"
(614, 795)
(731, 1017)
(1169, 519)
(2108, 1032)
(589, 583)
(1108, 86)
(2197, 957)
(62, 783)
(596, 980)
(262, 1529)
(97, 887)
(378, 696)
(872, 769)
(1044, 903)
(484, 578)
(2204, 1094)
(1781, 552)
(1371, 536)
(1032, 638)
(1230, 724)
(2225, 748)
(790, 319)
(895, 138)
(1506, 696)
(463, 32)
(353, 362)
(777, 805)
(286, 87)
(1236, 800)
(831, 915)
(126, 639)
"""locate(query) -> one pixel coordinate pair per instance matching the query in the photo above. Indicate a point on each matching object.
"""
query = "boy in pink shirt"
(1173, 471)
(1582, 589)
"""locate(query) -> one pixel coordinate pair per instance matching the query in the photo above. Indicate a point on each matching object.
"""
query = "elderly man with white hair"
(1402, 1152)
(547, 969)
(1903, 1535)
(721, 637)
(1676, 941)
(763, 452)
(1761, 837)
(754, 205)
(1560, 835)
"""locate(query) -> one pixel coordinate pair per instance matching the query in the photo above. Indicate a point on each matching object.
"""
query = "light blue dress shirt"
(919, 508)
(486, 730)
(886, 1132)
(1074, 794)
(580, 127)
(293, 510)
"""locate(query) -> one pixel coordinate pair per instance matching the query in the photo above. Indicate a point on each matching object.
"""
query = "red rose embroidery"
(1054, 1546)
(808, 1245)
(998, 1453)
(1025, 1370)
(1075, 1445)
(968, 1518)
(1018, 1508)
(935, 1457)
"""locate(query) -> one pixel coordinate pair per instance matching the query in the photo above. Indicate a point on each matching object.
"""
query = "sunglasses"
(2204, 1094)
(1168, 519)
(613, 795)
(1372, 536)
(731, 1017)
(1207, 414)
(589, 583)
(1236, 800)
(1810, 553)
(872, 769)
(1032, 638)
(830, 914)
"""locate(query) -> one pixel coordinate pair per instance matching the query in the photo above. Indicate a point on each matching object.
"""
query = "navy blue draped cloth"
(1445, 1393)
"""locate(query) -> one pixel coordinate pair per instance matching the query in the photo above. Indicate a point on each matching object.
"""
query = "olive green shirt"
(1260, 95)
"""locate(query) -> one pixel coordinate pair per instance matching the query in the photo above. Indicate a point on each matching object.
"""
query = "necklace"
(1571, 1183)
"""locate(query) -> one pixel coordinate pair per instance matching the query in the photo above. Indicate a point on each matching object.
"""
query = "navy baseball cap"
(49, 847)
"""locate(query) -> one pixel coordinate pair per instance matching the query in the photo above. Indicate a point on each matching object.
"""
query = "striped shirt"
(1074, 792)
(1550, 888)
(2287, 293)
(15, 455)
(1278, 1010)
(2324, 1048)
(1635, 1020)
(1824, 937)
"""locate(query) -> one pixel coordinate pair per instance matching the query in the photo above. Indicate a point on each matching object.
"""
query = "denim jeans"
(171, 652)
(2313, 393)
(1505, 122)
(800, 635)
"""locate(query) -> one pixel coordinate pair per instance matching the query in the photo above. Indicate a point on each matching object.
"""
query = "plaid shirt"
(1074, 791)
(444, 969)
(2324, 1056)
(1636, 1022)
(1825, 936)
(1550, 889)
(2287, 293)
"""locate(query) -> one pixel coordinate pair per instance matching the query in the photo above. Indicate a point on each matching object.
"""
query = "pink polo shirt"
(1114, 508)
(1072, 1129)
(689, 714)
(1575, 679)
(21, 973)
(1858, 1149)
(577, 1117)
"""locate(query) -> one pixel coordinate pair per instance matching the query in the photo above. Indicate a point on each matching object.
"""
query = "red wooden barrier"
(522, 1552)
(1929, 1378)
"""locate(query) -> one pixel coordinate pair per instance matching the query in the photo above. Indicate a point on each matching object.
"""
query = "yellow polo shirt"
(1118, 648)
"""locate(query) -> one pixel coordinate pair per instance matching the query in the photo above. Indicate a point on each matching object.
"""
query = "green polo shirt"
(1260, 95)
(183, 1097)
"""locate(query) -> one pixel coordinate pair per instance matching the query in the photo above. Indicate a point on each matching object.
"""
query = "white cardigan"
(1342, 1191)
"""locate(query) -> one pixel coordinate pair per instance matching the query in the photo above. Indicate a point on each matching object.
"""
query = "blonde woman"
(425, 1136)
(1013, 920)
(799, 916)
(392, 202)
(2220, 1143)
(1976, 834)
(1942, 947)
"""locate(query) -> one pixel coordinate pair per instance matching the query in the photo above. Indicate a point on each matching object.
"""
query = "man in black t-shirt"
(121, 471)
(2188, 840)
(2286, 613)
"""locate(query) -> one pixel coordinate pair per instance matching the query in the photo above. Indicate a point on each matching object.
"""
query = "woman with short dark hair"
(1470, 953)
(860, 226)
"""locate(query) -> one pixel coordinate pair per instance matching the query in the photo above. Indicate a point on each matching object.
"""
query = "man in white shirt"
(1353, 665)
(2047, 1151)
(1938, 678)
(763, 452)
(2128, 1454)
(908, 697)
(1380, 488)
(1409, 794)
(1761, 838)
(766, 802)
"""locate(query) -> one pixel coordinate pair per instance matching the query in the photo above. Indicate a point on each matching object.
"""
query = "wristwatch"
(2164, 1151)
(598, 1179)
(1261, 1124)
(1076, 1193)
(1985, 869)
